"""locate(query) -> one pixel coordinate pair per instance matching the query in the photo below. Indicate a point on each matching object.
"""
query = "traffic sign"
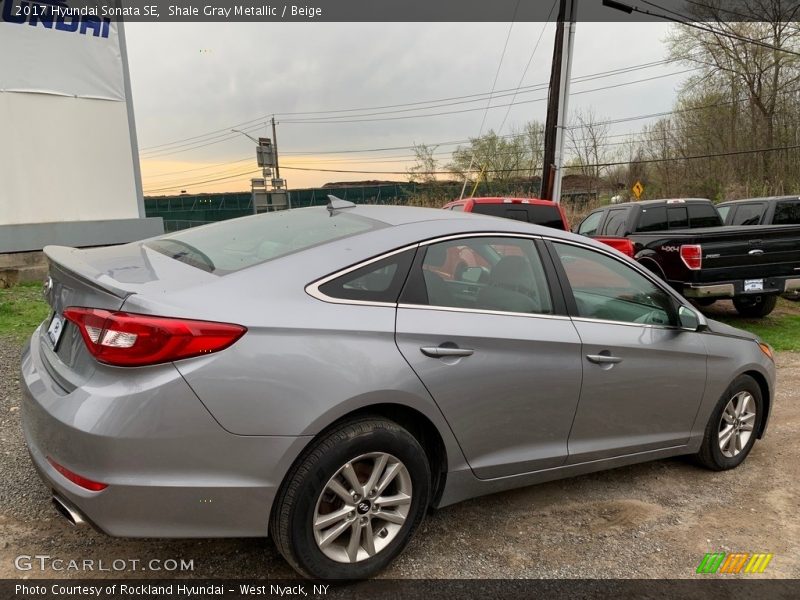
(637, 189)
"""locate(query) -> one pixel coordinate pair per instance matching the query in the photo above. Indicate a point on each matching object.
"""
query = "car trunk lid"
(102, 278)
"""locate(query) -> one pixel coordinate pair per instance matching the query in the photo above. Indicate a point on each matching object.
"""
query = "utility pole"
(275, 149)
(557, 105)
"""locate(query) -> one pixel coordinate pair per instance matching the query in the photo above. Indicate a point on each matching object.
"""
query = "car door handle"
(603, 359)
(443, 351)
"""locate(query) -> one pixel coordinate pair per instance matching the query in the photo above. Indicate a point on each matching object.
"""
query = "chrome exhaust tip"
(71, 514)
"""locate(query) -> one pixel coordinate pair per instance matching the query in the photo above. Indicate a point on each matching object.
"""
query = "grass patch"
(22, 308)
(780, 329)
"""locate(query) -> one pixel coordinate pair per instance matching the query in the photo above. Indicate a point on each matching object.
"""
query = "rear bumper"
(721, 290)
(731, 289)
(171, 469)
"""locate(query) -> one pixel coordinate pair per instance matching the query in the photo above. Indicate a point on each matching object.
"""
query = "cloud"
(190, 79)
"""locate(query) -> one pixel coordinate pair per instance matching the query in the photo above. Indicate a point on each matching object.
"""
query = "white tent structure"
(69, 166)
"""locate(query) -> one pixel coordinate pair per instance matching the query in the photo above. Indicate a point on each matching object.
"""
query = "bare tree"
(425, 166)
(757, 77)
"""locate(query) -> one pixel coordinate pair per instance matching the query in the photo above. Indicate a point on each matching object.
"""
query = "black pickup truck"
(684, 242)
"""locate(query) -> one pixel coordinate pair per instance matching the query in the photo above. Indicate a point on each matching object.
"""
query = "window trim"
(562, 297)
(559, 306)
(569, 297)
(312, 289)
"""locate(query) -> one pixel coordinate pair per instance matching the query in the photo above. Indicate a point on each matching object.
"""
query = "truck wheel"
(757, 306)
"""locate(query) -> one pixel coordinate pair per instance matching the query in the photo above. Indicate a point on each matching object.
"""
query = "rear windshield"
(703, 215)
(653, 218)
(539, 214)
(232, 245)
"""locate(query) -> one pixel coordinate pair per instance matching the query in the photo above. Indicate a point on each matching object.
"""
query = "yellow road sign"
(637, 189)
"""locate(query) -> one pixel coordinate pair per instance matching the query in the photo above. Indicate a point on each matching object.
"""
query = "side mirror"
(691, 320)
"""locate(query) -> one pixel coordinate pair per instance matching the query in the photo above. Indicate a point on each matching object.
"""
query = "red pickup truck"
(530, 210)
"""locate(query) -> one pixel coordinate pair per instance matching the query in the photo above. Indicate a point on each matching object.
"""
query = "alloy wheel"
(737, 423)
(362, 508)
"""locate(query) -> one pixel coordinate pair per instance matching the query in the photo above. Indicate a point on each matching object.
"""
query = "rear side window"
(747, 214)
(380, 281)
(703, 215)
(653, 218)
(538, 214)
(590, 224)
(678, 217)
(615, 223)
(236, 244)
(787, 213)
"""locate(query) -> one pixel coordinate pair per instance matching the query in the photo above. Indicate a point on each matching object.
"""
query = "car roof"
(764, 199)
(658, 201)
(455, 222)
(505, 200)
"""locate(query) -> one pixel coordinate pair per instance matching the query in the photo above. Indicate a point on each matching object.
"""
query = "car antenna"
(335, 204)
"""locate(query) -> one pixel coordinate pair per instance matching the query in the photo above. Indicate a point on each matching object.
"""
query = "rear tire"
(757, 306)
(326, 532)
(733, 425)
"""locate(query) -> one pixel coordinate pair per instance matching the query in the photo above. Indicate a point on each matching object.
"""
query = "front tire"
(733, 425)
(755, 307)
(352, 501)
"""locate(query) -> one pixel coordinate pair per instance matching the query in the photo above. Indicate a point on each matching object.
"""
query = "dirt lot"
(650, 520)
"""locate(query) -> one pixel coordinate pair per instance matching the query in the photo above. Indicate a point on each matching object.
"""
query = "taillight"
(133, 340)
(692, 256)
(79, 480)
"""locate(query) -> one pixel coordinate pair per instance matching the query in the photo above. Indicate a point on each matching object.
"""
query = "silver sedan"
(325, 375)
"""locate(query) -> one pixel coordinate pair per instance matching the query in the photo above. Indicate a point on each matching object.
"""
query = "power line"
(606, 164)
(222, 164)
(466, 110)
(458, 142)
(227, 129)
(188, 147)
(476, 98)
(688, 23)
(195, 183)
(528, 64)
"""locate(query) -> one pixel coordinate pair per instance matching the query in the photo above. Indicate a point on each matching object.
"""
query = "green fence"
(182, 212)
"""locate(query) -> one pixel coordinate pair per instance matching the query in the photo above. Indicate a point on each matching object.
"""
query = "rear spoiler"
(69, 260)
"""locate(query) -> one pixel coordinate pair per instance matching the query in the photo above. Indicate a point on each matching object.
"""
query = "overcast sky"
(193, 79)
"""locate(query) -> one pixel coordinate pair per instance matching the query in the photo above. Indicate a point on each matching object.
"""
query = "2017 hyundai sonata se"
(325, 375)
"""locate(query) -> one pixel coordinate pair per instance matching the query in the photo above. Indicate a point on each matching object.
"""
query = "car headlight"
(766, 349)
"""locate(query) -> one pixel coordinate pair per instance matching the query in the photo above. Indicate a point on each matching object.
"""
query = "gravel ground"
(651, 520)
